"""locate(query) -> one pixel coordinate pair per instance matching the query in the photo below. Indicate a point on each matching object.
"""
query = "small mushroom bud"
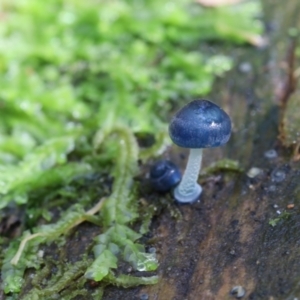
(164, 175)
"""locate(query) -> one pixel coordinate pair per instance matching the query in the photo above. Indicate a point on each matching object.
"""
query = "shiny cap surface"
(200, 124)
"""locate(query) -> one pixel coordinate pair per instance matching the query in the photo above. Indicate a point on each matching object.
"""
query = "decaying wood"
(245, 231)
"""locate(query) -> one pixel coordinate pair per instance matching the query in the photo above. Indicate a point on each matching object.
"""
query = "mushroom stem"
(189, 190)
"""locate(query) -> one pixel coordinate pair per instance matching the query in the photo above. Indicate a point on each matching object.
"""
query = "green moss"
(282, 217)
(228, 165)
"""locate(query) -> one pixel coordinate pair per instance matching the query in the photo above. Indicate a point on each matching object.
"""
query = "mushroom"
(164, 175)
(200, 124)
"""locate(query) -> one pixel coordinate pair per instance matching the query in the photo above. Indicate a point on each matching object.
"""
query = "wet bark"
(227, 239)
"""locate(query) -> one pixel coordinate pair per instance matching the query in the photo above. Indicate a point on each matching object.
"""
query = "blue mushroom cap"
(200, 124)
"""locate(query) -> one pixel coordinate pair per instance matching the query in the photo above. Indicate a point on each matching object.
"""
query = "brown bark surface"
(225, 240)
